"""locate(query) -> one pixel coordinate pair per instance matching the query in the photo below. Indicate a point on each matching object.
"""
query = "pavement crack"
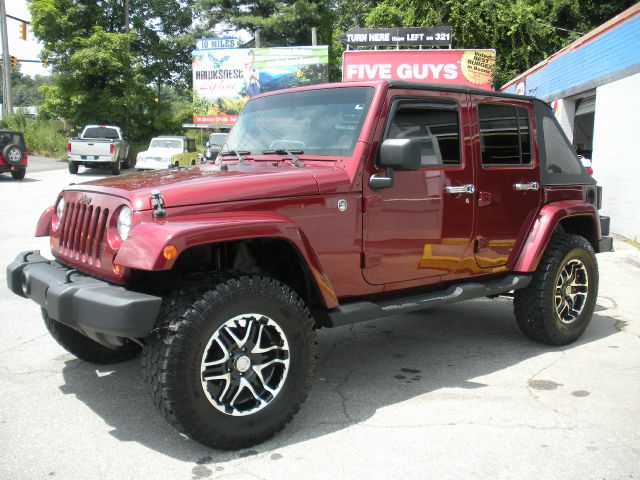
(534, 396)
(26, 342)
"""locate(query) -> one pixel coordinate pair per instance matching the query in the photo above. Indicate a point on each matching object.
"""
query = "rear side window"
(191, 145)
(435, 123)
(505, 136)
(560, 157)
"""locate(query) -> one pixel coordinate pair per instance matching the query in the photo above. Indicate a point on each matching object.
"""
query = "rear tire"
(558, 304)
(18, 174)
(86, 349)
(115, 168)
(231, 362)
(73, 167)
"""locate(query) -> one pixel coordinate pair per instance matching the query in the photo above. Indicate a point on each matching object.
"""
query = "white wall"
(616, 153)
(565, 113)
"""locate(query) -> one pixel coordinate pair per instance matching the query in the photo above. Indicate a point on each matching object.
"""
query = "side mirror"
(401, 154)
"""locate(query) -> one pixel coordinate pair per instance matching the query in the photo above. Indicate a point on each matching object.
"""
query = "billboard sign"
(224, 79)
(425, 36)
(472, 68)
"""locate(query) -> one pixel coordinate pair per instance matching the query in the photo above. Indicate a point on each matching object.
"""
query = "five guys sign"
(471, 68)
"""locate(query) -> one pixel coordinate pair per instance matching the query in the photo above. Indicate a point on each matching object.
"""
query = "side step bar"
(355, 312)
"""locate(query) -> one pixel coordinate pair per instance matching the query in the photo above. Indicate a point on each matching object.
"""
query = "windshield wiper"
(281, 151)
(238, 154)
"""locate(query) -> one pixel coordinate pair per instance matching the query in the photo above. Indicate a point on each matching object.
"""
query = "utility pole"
(126, 16)
(7, 103)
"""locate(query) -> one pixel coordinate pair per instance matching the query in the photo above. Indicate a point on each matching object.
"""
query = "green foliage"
(523, 32)
(281, 23)
(43, 136)
(105, 75)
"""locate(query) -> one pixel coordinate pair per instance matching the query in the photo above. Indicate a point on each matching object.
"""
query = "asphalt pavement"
(452, 392)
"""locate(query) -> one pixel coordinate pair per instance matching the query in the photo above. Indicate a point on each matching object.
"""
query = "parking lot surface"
(451, 392)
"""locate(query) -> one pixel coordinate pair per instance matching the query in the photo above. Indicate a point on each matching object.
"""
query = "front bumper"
(82, 302)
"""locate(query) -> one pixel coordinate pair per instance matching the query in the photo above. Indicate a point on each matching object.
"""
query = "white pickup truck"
(99, 145)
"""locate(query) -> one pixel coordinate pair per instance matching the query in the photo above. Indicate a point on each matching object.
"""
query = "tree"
(523, 32)
(103, 73)
(281, 23)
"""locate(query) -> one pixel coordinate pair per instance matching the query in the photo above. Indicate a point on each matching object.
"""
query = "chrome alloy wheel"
(572, 289)
(245, 364)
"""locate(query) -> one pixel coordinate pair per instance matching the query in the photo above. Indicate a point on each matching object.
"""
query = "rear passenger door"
(508, 179)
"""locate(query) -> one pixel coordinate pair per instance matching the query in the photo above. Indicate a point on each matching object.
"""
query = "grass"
(44, 137)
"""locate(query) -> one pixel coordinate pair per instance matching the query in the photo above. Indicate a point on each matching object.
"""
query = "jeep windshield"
(323, 122)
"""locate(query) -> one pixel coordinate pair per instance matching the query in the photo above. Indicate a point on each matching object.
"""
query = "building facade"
(593, 86)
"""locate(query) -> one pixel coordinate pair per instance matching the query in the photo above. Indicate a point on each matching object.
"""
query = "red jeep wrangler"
(13, 154)
(331, 204)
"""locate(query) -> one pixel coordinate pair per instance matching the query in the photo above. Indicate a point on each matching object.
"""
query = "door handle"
(454, 190)
(523, 187)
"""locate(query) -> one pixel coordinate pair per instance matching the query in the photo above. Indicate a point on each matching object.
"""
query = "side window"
(505, 137)
(560, 157)
(435, 123)
(191, 145)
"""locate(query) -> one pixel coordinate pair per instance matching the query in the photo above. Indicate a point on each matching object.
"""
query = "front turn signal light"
(170, 252)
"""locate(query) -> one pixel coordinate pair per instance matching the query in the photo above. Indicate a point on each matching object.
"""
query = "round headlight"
(124, 222)
(60, 208)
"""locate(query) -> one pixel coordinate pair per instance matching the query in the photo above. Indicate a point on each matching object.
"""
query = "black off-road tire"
(126, 163)
(535, 307)
(86, 349)
(190, 318)
(18, 174)
(12, 154)
(73, 167)
(115, 168)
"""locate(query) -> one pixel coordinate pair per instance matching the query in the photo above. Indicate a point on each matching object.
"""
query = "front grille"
(83, 231)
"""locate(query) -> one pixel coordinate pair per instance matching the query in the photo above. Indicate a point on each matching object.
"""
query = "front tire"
(86, 349)
(232, 362)
(558, 304)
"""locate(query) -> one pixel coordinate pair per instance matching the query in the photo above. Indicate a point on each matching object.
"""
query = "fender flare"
(43, 229)
(143, 249)
(546, 221)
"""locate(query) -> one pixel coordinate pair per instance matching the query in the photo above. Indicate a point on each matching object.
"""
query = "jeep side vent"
(83, 231)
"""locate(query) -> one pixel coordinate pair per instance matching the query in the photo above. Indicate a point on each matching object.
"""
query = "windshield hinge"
(157, 203)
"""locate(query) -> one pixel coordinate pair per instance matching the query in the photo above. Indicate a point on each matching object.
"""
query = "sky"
(23, 50)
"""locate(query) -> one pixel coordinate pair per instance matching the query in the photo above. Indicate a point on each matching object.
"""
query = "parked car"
(325, 209)
(13, 154)
(162, 150)
(586, 163)
(99, 146)
(214, 145)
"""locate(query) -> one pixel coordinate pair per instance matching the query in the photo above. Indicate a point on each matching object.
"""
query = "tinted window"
(100, 132)
(504, 135)
(560, 157)
(435, 124)
(191, 145)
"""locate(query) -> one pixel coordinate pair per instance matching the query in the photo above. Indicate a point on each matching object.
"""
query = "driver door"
(422, 226)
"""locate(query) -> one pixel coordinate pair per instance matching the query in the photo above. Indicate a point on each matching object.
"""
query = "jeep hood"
(207, 184)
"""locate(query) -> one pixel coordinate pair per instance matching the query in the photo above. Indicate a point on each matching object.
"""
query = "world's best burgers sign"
(471, 68)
